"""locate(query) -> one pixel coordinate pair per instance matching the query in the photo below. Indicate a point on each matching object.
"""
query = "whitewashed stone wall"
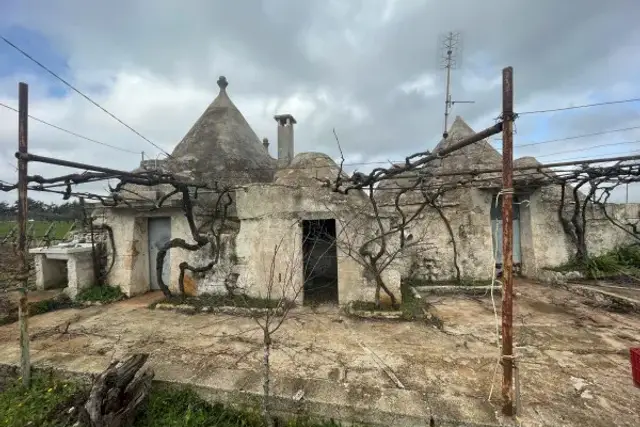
(271, 215)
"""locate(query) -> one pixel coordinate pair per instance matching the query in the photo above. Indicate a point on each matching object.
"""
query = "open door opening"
(320, 258)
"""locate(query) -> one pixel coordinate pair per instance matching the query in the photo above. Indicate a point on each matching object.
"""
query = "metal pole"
(507, 240)
(626, 200)
(23, 310)
(447, 100)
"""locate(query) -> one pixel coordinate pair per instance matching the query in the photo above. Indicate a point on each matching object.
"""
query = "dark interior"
(320, 261)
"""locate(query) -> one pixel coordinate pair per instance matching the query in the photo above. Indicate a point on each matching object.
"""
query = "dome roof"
(314, 170)
(531, 177)
(222, 147)
(308, 169)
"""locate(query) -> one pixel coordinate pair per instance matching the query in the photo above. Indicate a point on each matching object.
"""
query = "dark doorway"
(320, 258)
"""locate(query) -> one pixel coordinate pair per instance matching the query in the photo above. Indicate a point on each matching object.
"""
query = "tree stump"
(118, 393)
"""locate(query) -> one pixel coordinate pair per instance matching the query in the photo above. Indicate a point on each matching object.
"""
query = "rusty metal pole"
(507, 241)
(23, 310)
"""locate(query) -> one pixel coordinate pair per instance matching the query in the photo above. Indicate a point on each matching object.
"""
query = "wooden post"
(23, 310)
(507, 240)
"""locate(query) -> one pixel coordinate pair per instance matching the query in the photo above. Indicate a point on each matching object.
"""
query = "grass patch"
(38, 228)
(44, 404)
(104, 294)
(47, 402)
(410, 307)
(184, 408)
(623, 261)
(60, 302)
(215, 300)
(169, 408)
(463, 282)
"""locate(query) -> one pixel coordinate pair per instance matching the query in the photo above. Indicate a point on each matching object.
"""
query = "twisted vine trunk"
(380, 285)
(453, 241)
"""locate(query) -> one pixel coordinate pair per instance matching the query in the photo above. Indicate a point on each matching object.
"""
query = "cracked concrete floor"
(573, 360)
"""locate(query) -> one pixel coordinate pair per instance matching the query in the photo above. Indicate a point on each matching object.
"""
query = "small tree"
(283, 289)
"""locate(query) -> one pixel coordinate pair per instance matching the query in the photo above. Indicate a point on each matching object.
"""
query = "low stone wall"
(458, 290)
(558, 277)
(374, 315)
(232, 311)
(607, 300)
(317, 399)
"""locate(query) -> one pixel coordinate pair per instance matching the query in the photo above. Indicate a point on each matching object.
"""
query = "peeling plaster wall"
(468, 212)
(527, 243)
(552, 247)
(602, 235)
(272, 215)
(130, 270)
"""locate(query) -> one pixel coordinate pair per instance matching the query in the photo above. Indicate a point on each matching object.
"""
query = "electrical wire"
(69, 85)
(86, 138)
(12, 165)
(588, 148)
(568, 138)
(576, 107)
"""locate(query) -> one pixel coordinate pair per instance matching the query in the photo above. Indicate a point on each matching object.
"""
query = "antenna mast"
(450, 45)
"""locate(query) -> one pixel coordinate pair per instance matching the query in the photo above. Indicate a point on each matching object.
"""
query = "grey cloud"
(281, 47)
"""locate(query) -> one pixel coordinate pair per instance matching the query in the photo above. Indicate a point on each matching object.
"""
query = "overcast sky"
(369, 68)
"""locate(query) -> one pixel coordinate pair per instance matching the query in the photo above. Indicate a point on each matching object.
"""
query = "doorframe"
(496, 238)
(337, 258)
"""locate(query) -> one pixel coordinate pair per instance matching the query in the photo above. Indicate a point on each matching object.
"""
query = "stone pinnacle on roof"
(223, 83)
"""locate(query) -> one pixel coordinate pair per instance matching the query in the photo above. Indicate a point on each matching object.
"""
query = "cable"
(602, 160)
(597, 104)
(69, 85)
(568, 138)
(71, 132)
(589, 148)
(12, 165)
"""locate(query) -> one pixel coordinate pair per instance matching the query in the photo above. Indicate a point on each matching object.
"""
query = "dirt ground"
(573, 360)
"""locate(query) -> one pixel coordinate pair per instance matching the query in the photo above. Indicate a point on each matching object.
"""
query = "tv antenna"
(451, 46)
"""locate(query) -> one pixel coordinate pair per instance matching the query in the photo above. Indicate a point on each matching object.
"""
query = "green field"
(37, 229)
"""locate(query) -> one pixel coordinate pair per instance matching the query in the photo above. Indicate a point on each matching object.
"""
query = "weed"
(46, 403)
(60, 302)
(219, 300)
(104, 294)
(621, 261)
(184, 408)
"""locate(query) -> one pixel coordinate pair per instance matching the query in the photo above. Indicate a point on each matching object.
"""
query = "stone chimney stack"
(265, 144)
(285, 138)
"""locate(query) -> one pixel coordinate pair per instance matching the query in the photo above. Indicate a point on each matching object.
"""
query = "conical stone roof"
(221, 147)
(479, 155)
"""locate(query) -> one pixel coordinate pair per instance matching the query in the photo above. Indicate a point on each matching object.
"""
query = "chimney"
(285, 138)
(265, 144)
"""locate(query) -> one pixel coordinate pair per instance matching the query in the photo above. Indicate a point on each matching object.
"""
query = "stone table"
(67, 263)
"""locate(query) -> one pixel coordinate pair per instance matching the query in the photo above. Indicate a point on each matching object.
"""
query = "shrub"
(104, 294)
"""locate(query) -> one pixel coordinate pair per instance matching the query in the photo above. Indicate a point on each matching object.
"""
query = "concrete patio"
(573, 359)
